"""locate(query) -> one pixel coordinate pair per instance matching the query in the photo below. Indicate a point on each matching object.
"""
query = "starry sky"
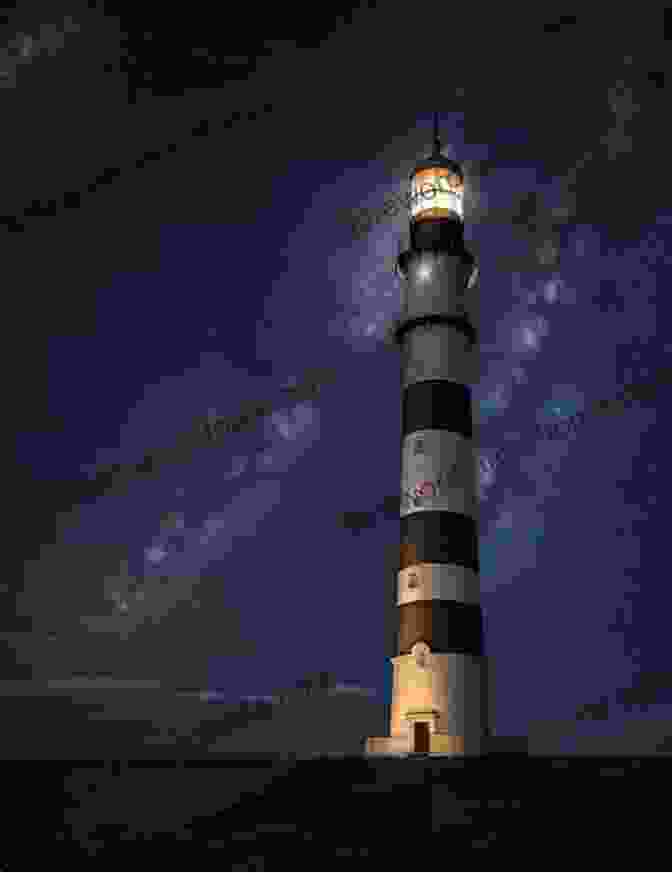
(143, 292)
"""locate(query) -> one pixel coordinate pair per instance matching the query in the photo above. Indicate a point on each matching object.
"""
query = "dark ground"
(506, 812)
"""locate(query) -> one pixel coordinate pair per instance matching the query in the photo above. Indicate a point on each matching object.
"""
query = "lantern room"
(436, 202)
(436, 190)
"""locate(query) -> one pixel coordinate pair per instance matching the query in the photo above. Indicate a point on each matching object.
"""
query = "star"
(155, 554)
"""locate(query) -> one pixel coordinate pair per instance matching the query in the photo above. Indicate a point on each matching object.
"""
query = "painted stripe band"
(438, 472)
(445, 625)
(437, 404)
(439, 538)
(437, 582)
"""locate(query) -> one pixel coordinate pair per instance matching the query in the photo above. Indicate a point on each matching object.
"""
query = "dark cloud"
(650, 687)
(596, 711)
(563, 22)
(657, 77)
(390, 507)
(71, 594)
(357, 521)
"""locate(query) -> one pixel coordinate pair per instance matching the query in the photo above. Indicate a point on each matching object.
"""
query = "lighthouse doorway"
(421, 737)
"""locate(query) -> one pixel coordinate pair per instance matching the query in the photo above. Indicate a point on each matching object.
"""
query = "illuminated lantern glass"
(437, 192)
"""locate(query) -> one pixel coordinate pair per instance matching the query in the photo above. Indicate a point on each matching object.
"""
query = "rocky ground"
(503, 812)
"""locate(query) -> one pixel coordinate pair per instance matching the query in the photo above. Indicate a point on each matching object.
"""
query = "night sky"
(137, 298)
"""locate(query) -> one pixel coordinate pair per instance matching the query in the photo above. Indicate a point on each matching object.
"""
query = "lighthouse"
(439, 676)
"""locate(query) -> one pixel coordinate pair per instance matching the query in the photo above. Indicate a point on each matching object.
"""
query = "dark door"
(421, 737)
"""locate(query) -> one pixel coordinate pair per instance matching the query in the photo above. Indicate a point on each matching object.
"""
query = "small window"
(421, 653)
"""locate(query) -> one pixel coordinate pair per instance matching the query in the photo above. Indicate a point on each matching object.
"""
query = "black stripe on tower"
(435, 536)
(437, 404)
(445, 625)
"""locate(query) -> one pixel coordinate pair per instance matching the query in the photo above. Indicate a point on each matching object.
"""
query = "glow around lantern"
(436, 193)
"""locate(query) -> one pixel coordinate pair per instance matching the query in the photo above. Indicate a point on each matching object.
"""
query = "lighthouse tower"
(439, 690)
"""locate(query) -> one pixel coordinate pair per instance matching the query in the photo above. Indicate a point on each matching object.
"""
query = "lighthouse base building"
(438, 706)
